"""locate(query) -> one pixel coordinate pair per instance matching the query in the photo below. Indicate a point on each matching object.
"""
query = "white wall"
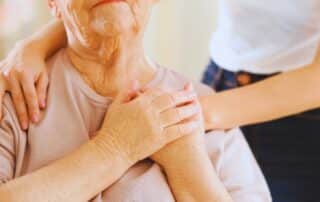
(20, 18)
(177, 37)
(179, 33)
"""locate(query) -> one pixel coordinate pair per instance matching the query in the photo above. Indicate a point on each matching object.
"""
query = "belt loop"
(243, 78)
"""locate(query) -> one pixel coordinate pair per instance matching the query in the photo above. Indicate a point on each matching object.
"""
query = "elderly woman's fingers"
(169, 100)
(19, 102)
(179, 130)
(42, 88)
(179, 114)
(152, 93)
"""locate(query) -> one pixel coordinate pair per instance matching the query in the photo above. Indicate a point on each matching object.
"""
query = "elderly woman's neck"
(109, 69)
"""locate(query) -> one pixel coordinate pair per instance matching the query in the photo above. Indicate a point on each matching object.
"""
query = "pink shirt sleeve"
(12, 143)
(7, 148)
(237, 167)
(235, 163)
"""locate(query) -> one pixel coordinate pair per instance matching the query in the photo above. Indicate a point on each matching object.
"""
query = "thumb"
(129, 93)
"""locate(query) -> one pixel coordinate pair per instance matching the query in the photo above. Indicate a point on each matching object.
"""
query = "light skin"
(107, 157)
(260, 102)
(114, 52)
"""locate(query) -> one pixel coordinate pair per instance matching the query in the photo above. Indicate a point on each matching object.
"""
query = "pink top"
(75, 112)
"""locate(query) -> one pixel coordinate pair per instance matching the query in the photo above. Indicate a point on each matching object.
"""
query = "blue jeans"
(287, 150)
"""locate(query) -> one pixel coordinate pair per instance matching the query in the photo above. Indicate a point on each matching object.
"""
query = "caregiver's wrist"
(212, 119)
(32, 45)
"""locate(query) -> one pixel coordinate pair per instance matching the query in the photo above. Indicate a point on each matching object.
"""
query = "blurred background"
(178, 34)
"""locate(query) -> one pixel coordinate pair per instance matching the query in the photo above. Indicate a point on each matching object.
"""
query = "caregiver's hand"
(149, 121)
(25, 77)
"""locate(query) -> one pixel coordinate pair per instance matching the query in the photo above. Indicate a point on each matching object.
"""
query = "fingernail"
(35, 118)
(43, 104)
(24, 125)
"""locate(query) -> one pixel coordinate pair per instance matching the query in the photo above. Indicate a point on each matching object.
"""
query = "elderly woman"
(149, 146)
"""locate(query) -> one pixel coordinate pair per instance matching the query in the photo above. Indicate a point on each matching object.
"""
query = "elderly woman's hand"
(188, 167)
(25, 77)
(184, 148)
(146, 123)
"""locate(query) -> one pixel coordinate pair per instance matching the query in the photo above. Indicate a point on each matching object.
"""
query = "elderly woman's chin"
(113, 19)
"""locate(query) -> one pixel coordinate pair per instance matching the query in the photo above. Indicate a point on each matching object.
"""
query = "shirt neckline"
(90, 93)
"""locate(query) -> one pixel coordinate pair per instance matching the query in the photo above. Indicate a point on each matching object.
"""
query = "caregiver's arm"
(25, 70)
(97, 164)
(279, 96)
(49, 39)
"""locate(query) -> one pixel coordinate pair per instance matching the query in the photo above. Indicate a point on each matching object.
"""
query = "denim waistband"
(221, 79)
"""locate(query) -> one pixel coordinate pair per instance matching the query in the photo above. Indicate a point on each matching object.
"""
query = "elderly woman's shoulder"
(173, 79)
(9, 120)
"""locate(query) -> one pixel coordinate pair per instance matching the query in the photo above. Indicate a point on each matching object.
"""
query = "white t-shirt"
(266, 36)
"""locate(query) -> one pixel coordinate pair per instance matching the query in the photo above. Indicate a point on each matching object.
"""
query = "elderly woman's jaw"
(107, 36)
(95, 20)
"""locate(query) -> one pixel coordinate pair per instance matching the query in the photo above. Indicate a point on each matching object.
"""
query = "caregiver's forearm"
(48, 40)
(283, 95)
(77, 177)
(194, 179)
